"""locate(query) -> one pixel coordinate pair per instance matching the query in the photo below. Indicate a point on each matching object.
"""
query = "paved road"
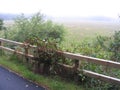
(10, 81)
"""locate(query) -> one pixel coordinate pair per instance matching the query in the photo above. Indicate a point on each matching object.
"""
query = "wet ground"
(11, 81)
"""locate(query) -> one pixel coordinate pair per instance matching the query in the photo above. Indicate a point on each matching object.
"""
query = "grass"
(53, 83)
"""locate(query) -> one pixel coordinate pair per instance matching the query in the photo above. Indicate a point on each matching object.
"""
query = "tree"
(37, 26)
(115, 46)
(1, 24)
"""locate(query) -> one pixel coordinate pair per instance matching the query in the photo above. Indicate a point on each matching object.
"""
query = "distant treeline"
(9, 16)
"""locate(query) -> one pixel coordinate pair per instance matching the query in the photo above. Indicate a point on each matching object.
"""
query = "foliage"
(37, 26)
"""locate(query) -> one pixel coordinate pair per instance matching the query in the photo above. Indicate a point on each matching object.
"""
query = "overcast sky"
(61, 8)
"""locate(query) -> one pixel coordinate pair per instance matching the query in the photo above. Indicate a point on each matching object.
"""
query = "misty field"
(77, 32)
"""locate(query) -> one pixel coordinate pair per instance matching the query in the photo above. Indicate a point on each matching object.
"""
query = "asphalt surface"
(11, 81)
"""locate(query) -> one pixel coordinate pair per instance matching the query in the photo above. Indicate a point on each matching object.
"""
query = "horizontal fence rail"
(103, 62)
(17, 52)
(107, 63)
(101, 77)
(15, 43)
(10, 41)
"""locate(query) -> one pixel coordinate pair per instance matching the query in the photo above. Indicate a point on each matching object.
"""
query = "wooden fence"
(105, 63)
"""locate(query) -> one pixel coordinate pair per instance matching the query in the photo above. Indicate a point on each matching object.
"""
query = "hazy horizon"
(63, 8)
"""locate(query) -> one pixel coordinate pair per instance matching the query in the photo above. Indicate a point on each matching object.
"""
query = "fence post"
(76, 65)
(26, 53)
(75, 68)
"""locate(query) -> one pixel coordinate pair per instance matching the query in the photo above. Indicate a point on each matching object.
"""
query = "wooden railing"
(105, 63)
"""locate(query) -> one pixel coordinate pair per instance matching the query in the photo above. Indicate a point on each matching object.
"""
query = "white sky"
(60, 8)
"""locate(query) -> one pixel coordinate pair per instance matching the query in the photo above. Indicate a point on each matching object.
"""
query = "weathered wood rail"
(106, 63)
